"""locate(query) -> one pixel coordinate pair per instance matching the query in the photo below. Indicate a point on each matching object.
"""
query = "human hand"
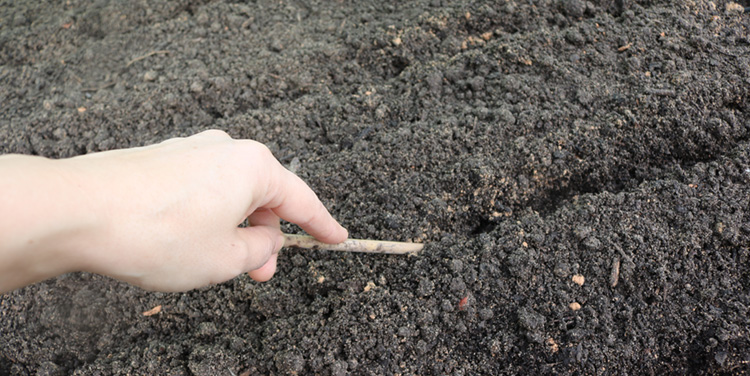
(169, 213)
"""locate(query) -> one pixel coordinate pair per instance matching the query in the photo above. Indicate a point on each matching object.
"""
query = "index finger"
(293, 200)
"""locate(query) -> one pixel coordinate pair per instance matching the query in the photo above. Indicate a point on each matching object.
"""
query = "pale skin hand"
(163, 217)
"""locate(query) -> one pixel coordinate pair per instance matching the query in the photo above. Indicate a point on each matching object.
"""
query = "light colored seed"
(614, 276)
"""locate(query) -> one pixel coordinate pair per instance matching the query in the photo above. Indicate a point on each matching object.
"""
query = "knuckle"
(215, 133)
(263, 150)
(172, 140)
(255, 150)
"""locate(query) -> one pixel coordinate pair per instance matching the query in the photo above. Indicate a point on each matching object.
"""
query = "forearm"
(164, 217)
(44, 220)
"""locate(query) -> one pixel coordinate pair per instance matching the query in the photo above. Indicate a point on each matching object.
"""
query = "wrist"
(48, 220)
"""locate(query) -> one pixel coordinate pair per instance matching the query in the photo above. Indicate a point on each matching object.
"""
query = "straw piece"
(352, 245)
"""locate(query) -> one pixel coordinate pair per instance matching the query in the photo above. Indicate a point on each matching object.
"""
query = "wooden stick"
(352, 245)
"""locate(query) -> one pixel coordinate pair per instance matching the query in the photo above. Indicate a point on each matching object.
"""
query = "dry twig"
(353, 245)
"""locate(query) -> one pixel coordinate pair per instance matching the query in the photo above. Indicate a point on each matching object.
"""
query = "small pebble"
(196, 87)
(207, 329)
(574, 306)
(370, 285)
(579, 279)
(592, 243)
(150, 76)
(276, 45)
(485, 313)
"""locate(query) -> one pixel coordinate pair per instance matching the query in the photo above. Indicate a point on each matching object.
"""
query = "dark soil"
(524, 141)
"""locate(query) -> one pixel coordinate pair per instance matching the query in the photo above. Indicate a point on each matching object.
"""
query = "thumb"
(263, 244)
(265, 272)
